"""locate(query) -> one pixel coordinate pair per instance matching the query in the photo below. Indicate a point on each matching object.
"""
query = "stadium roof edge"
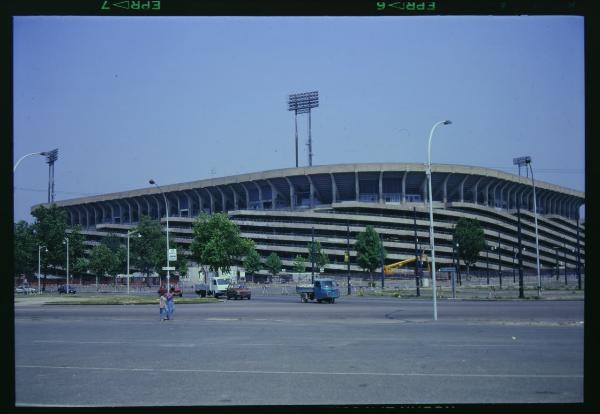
(318, 169)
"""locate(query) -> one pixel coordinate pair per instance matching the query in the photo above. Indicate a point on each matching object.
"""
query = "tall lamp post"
(499, 262)
(312, 256)
(66, 241)
(152, 182)
(513, 264)
(43, 153)
(526, 161)
(431, 236)
(455, 247)
(416, 252)
(129, 233)
(347, 256)
(382, 261)
(487, 261)
(40, 266)
(556, 262)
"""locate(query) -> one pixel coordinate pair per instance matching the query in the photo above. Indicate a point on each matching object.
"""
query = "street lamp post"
(312, 256)
(526, 161)
(487, 262)
(499, 262)
(578, 257)
(382, 261)
(565, 262)
(40, 266)
(67, 242)
(27, 155)
(348, 256)
(513, 265)
(152, 182)
(416, 252)
(556, 260)
(458, 263)
(129, 233)
(519, 163)
(431, 235)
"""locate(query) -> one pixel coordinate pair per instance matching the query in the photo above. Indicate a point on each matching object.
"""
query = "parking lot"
(274, 350)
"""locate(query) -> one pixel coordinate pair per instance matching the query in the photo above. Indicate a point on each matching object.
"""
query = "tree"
(50, 230)
(369, 250)
(469, 234)
(147, 253)
(299, 264)
(25, 249)
(252, 262)
(102, 260)
(81, 267)
(273, 264)
(76, 250)
(119, 255)
(217, 242)
(320, 258)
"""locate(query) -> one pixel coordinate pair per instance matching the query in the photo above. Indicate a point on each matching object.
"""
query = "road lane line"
(381, 374)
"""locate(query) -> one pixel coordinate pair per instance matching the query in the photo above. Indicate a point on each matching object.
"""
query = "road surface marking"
(381, 374)
(222, 319)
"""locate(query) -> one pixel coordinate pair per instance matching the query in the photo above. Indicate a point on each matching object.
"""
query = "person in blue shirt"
(170, 303)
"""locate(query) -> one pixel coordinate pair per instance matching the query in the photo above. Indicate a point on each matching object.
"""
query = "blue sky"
(177, 99)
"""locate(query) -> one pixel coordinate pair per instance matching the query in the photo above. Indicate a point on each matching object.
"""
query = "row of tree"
(216, 246)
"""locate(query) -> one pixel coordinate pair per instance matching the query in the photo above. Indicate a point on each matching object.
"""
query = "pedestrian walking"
(170, 303)
(163, 307)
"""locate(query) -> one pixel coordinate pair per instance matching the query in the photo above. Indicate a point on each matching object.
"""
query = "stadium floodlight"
(521, 161)
(526, 161)
(431, 237)
(51, 157)
(302, 103)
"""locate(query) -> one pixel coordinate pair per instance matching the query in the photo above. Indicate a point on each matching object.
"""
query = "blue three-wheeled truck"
(323, 290)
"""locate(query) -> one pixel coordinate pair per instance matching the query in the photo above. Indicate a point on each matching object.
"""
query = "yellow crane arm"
(389, 269)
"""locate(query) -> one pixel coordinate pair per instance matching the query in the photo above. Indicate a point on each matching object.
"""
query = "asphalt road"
(278, 351)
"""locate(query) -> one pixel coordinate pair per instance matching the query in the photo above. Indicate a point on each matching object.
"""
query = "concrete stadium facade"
(279, 209)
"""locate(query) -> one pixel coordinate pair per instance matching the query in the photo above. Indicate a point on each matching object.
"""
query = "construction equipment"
(389, 269)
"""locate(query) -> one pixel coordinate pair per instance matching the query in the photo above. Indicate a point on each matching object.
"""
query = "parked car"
(238, 291)
(63, 289)
(216, 288)
(177, 292)
(25, 289)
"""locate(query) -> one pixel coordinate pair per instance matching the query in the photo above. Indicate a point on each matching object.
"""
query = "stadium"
(281, 210)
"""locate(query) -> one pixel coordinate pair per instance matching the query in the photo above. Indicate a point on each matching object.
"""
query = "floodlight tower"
(51, 157)
(302, 103)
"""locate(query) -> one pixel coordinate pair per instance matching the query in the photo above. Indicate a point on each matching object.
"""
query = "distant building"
(279, 208)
